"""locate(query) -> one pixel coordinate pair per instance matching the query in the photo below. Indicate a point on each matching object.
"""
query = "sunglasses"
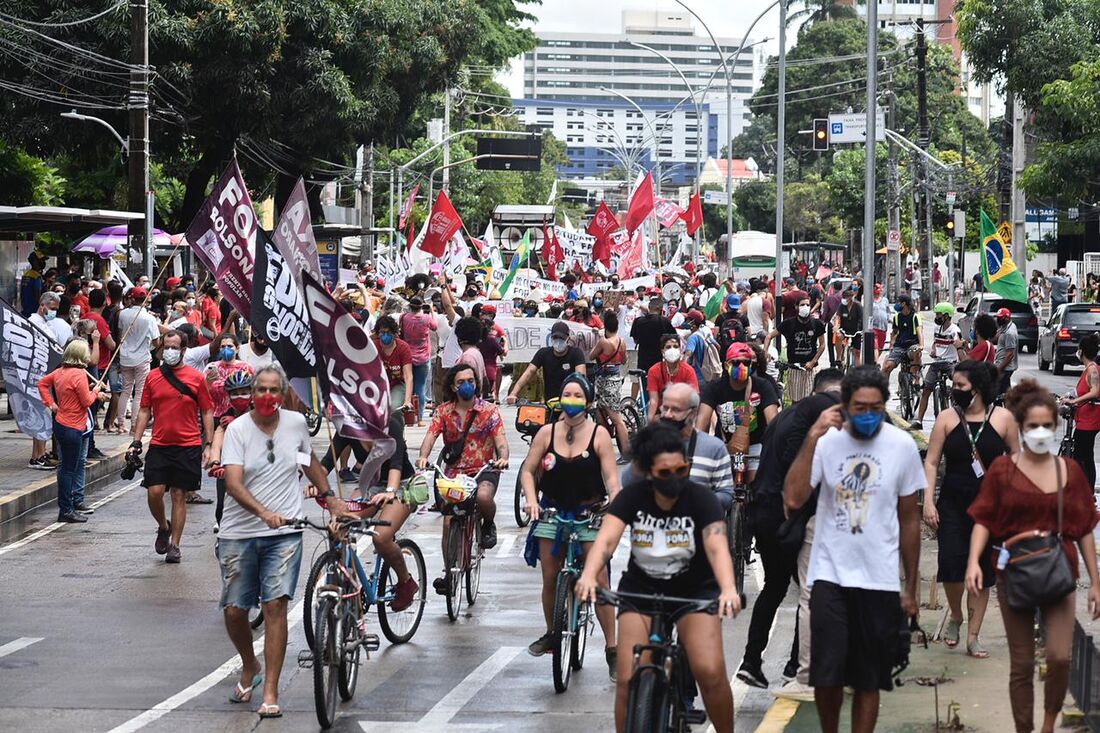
(681, 471)
(270, 450)
(739, 362)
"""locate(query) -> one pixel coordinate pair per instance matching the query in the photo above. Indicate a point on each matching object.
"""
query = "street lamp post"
(869, 182)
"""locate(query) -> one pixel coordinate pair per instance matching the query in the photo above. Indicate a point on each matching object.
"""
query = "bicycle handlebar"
(786, 365)
(625, 601)
(348, 522)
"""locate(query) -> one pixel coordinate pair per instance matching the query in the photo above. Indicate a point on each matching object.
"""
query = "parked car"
(1058, 338)
(1027, 323)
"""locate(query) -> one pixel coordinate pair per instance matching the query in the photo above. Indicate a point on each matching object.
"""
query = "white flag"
(456, 254)
(553, 193)
(494, 249)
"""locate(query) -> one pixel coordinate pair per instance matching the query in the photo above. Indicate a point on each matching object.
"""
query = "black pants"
(1084, 450)
(339, 443)
(779, 569)
(829, 347)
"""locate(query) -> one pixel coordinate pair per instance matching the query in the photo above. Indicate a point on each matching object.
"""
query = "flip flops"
(951, 633)
(243, 694)
(270, 711)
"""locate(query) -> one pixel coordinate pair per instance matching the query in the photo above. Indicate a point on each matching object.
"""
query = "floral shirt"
(480, 447)
(216, 373)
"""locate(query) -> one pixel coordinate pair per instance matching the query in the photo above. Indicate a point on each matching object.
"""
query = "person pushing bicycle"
(946, 342)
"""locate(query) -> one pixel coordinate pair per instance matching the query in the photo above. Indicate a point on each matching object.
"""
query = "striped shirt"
(710, 467)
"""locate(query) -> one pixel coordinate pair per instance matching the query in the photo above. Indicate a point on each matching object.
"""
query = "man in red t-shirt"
(97, 300)
(671, 369)
(397, 359)
(174, 396)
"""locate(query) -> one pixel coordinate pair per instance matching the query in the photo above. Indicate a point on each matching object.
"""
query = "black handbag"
(792, 533)
(1038, 572)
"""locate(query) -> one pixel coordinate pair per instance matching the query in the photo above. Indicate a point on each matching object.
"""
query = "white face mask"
(803, 311)
(672, 355)
(171, 357)
(1039, 440)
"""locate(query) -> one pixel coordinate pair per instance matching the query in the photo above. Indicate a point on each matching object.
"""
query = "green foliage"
(822, 11)
(714, 216)
(26, 180)
(755, 201)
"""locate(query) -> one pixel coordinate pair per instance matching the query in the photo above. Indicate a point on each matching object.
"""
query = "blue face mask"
(50, 315)
(227, 353)
(597, 304)
(466, 390)
(386, 338)
(867, 424)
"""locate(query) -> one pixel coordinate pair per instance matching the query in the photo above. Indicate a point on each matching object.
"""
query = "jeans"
(420, 388)
(73, 447)
(96, 407)
(779, 569)
(1084, 450)
(259, 569)
(133, 378)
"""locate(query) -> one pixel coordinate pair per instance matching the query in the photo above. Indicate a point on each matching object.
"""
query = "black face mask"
(678, 424)
(670, 488)
(471, 293)
(962, 397)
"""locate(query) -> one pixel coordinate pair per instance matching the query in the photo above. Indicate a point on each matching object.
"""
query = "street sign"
(893, 240)
(852, 128)
(716, 197)
(950, 198)
(1004, 231)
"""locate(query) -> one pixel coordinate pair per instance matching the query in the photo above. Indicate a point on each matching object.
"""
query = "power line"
(23, 21)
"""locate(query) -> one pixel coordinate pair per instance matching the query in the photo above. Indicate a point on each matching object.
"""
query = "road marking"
(506, 544)
(452, 703)
(778, 716)
(162, 708)
(21, 643)
(58, 525)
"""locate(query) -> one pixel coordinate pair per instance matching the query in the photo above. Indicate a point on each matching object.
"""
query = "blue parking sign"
(838, 128)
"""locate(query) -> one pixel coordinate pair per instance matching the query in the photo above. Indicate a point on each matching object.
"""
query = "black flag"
(26, 355)
(279, 310)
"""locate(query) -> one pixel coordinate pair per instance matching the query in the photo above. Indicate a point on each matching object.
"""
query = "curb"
(37, 494)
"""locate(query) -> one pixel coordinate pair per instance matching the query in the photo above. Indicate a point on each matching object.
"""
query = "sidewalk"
(23, 489)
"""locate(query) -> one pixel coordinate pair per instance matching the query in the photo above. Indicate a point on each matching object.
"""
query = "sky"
(726, 18)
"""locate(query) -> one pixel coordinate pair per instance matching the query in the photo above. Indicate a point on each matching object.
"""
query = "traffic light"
(821, 134)
(951, 227)
(956, 223)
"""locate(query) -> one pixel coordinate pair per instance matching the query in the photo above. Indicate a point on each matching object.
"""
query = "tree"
(821, 11)
(28, 180)
(755, 201)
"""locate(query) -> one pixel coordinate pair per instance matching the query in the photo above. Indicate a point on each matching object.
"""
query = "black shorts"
(854, 636)
(490, 476)
(628, 583)
(174, 466)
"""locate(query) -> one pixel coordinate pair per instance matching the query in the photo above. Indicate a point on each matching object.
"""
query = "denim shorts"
(114, 378)
(259, 569)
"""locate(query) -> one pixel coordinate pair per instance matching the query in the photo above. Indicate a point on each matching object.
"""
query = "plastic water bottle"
(364, 548)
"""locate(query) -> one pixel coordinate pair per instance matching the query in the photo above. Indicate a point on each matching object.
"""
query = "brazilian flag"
(999, 271)
(520, 256)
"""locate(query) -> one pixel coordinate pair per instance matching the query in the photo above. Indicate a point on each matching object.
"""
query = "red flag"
(602, 224)
(693, 217)
(633, 258)
(407, 207)
(552, 252)
(641, 204)
(442, 224)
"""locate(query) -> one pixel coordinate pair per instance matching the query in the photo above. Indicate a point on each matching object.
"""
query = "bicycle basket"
(416, 490)
(453, 490)
(529, 418)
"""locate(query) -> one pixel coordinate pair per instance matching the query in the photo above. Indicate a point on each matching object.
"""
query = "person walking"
(259, 554)
(969, 438)
(396, 357)
(1005, 358)
(140, 333)
(416, 328)
(609, 353)
(178, 400)
(868, 473)
(97, 300)
(985, 329)
(67, 395)
(646, 332)
(47, 321)
(1085, 401)
(880, 318)
(1036, 490)
(1059, 285)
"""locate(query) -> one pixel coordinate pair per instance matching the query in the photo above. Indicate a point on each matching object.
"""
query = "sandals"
(243, 694)
(976, 650)
(951, 633)
(197, 498)
(270, 711)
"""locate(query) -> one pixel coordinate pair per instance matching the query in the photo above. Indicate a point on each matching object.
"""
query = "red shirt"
(480, 445)
(175, 416)
(82, 300)
(212, 314)
(659, 377)
(1088, 413)
(104, 332)
(396, 360)
(982, 352)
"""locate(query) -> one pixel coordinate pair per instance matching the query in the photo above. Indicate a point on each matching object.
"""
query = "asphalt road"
(97, 633)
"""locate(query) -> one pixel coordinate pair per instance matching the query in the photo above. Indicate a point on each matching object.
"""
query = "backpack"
(712, 360)
(731, 331)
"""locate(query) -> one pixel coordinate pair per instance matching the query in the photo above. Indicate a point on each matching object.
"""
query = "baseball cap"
(559, 329)
(138, 293)
(173, 282)
(740, 351)
(695, 316)
(733, 300)
(489, 308)
(1004, 313)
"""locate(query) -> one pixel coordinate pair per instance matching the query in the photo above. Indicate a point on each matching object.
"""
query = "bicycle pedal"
(695, 717)
(305, 659)
(370, 642)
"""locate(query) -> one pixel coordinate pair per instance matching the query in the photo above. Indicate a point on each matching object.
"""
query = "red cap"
(489, 308)
(739, 351)
(1004, 313)
(138, 293)
(173, 282)
(696, 316)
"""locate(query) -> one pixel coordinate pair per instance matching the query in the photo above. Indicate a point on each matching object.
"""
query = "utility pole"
(140, 195)
(1019, 199)
(366, 211)
(924, 217)
(446, 141)
(893, 258)
(780, 158)
(869, 183)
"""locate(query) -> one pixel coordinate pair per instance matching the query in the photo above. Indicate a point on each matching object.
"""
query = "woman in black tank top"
(572, 462)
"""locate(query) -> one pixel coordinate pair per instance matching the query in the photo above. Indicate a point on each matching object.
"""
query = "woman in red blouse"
(1085, 399)
(1020, 493)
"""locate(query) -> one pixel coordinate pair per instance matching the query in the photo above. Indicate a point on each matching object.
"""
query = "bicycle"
(908, 389)
(641, 404)
(847, 352)
(338, 625)
(530, 417)
(941, 389)
(794, 387)
(462, 550)
(661, 683)
(572, 622)
(1068, 413)
(629, 411)
(740, 543)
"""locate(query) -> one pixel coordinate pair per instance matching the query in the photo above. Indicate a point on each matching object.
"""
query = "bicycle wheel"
(326, 662)
(561, 632)
(313, 422)
(647, 702)
(350, 650)
(520, 506)
(582, 626)
(632, 417)
(906, 405)
(399, 626)
(323, 568)
(453, 563)
(735, 531)
(473, 569)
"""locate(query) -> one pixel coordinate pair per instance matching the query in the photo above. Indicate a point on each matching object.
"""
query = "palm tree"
(814, 11)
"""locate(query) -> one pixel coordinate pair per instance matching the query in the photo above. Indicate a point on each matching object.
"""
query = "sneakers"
(540, 646)
(795, 690)
(442, 585)
(96, 455)
(347, 477)
(161, 545)
(404, 594)
(752, 676)
(173, 554)
(72, 518)
(83, 508)
(790, 670)
(488, 534)
(916, 425)
(40, 464)
(612, 655)
(50, 460)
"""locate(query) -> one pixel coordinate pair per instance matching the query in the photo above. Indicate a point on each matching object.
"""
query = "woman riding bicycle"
(473, 438)
(576, 467)
(609, 353)
(678, 549)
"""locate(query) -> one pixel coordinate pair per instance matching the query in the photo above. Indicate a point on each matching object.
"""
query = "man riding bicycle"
(907, 333)
(557, 361)
(473, 438)
(946, 342)
(848, 328)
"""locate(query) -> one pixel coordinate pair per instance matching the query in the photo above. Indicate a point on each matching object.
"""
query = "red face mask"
(241, 404)
(267, 404)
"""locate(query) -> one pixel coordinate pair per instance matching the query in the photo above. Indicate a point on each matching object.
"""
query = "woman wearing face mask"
(609, 353)
(572, 461)
(1087, 407)
(670, 370)
(686, 520)
(225, 361)
(969, 438)
(416, 329)
(1021, 493)
(238, 385)
(397, 359)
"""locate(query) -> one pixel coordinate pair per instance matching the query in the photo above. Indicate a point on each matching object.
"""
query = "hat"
(742, 284)
(1004, 313)
(738, 350)
(559, 329)
(173, 282)
(489, 308)
(733, 300)
(696, 317)
(138, 293)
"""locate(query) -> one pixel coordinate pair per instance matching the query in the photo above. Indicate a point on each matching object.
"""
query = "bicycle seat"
(636, 372)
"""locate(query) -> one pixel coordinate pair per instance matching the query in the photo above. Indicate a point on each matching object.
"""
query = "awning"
(34, 219)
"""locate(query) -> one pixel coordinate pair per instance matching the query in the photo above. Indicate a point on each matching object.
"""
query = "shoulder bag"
(1037, 572)
(170, 374)
(453, 451)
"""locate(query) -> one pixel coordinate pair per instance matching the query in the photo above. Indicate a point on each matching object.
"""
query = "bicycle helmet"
(944, 309)
(240, 379)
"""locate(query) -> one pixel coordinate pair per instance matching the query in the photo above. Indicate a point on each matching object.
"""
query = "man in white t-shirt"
(758, 317)
(946, 342)
(140, 332)
(46, 319)
(259, 553)
(867, 474)
(257, 352)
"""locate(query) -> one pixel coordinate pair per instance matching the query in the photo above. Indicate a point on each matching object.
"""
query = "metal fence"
(1084, 677)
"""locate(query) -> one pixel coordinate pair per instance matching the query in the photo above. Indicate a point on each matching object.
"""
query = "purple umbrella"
(109, 240)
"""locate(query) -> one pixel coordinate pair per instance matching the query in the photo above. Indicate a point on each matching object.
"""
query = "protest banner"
(668, 212)
(528, 335)
(26, 355)
(293, 235)
(629, 285)
(279, 310)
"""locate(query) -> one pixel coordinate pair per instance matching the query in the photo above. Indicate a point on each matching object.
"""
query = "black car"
(1058, 338)
(1027, 323)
